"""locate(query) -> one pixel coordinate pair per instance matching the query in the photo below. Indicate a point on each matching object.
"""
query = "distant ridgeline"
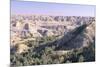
(52, 18)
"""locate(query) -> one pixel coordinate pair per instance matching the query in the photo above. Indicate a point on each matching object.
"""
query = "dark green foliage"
(85, 54)
(47, 56)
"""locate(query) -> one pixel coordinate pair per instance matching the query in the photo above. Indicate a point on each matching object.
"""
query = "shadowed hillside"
(72, 40)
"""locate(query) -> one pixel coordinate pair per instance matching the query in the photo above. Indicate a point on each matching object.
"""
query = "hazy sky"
(31, 7)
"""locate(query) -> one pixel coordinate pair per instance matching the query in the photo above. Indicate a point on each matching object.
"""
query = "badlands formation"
(29, 27)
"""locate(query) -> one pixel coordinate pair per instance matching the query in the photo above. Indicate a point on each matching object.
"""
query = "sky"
(43, 8)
